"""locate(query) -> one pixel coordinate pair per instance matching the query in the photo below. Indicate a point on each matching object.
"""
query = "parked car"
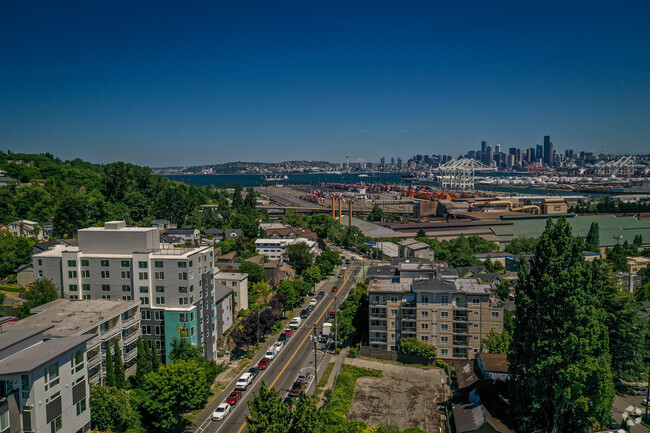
(233, 398)
(303, 376)
(304, 313)
(264, 362)
(310, 308)
(221, 411)
(288, 331)
(645, 402)
(296, 388)
(254, 371)
(314, 301)
(295, 322)
(320, 295)
(283, 337)
(272, 352)
(332, 314)
(243, 382)
(335, 289)
(639, 391)
(279, 345)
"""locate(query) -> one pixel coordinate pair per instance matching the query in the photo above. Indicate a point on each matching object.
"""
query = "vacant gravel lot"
(405, 396)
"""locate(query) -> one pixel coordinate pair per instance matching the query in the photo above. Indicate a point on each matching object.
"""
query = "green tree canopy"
(300, 256)
(521, 245)
(120, 378)
(376, 214)
(42, 292)
(109, 380)
(567, 384)
(496, 342)
(110, 408)
(312, 275)
(593, 237)
(268, 413)
(415, 347)
(256, 273)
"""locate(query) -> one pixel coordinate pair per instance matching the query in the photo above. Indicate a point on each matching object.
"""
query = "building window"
(425, 299)
(495, 314)
(144, 300)
(126, 288)
(40, 273)
(126, 274)
(444, 352)
(103, 263)
(146, 329)
(425, 326)
(24, 387)
(444, 299)
(85, 262)
(476, 302)
(85, 287)
(106, 287)
(72, 274)
(192, 287)
(145, 315)
(85, 297)
(393, 299)
(160, 289)
(105, 274)
(4, 420)
(476, 325)
(191, 299)
(182, 265)
(444, 340)
(182, 276)
(106, 296)
(85, 274)
(72, 263)
(192, 331)
(72, 287)
(142, 265)
(143, 275)
(158, 315)
(40, 262)
(51, 376)
(424, 338)
(159, 275)
(124, 263)
(444, 314)
(126, 298)
(81, 406)
(182, 301)
(158, 264)
(159, 330)
(182, 289)
(76, 361)
(160, 300)
(425, 314)
(444, 327)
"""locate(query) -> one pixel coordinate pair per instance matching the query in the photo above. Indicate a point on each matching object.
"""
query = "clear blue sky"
(173, 83)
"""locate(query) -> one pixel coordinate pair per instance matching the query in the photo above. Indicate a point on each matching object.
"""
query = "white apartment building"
(174, 286)
(238, 283)
(274, 249)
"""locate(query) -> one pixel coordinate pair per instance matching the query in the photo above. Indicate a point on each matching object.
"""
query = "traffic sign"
(371, 244)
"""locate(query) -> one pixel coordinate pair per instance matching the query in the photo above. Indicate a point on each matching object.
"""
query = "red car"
(296, 388)
(335, 289)
(264, 362)
(288, 331)
(233, 398)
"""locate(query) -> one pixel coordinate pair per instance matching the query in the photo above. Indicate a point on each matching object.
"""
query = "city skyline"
(292, 81)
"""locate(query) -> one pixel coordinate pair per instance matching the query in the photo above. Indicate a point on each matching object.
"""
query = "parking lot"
(625, 404)
(405, 396)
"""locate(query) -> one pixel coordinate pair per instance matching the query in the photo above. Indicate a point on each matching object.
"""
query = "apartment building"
(174, 285)
(238, 283)
(105, 322)
(274, 249)
(43, 382)
(453, 315)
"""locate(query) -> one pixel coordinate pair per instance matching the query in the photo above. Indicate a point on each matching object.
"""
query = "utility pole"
(336, 324)
(315, 365)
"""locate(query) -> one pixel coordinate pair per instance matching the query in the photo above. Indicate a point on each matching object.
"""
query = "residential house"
(25, 274)
(493, 366)
(26, 228)
(384, 271)
(233, 233)
(6, 180)
(414, 248)
(274, 249)
(43, 382)
(291, 233)
(238, 283)
(216, 234)
(186, 234)
(162, 224)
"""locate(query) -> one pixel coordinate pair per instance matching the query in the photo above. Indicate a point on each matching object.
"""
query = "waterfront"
(255, 180)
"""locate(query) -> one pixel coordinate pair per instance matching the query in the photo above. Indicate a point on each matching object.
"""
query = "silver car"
(221, 411)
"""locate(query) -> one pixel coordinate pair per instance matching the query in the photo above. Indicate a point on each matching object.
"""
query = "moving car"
(320, 295)
(264, 362)
(335, 289)
(296, 388)
(233, 398)
(221, 411)
(243, 382)
(303, 376)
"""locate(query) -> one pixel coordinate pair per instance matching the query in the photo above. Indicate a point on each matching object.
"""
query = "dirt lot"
(405, 396)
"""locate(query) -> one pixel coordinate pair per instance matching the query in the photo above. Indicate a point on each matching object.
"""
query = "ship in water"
(276, 178)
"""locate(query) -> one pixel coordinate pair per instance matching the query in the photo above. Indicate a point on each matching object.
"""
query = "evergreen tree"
(638, 240)
(306, 416)
(120, 378)
(155, 358)
(559, 353)
(142, 362)
(593, 237)
(268, 413)
(110, 368)
(421, 234)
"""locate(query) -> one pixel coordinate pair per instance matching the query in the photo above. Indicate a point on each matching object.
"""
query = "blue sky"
(182, 83)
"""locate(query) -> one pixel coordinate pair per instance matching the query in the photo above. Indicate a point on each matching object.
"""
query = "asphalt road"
(297, 354)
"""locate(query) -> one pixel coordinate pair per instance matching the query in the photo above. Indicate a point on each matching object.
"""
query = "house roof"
(413, 244)
(24, 267)
(465, 375)
(238, 232)
(464, 270)
(272, 264)
(259, 259)
(182, 231)
(229, 257)
(495, 362)
(214, 231)
(382, 270)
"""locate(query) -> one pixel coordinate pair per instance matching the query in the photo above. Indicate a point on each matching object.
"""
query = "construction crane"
(459, 173)
(624, 166)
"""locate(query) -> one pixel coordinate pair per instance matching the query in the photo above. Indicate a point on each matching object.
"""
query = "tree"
(376, 214)
(256, 273)
(175, 389)
(109, 368)
(69, 215)
(142, 362)
(503, 289)
(237, 200)
(312, 276)
(42, 292)
(14, 252)
(156, 362)
(593, 237)
(643, 294)
(496, 342)
(306, 416)
(111, 409)
(268, 413)
(421, 234)
(638, 240)
(415, 347)
(184, 350)
(300, 256)
(120, 378)
(567, 384)
(521, 245)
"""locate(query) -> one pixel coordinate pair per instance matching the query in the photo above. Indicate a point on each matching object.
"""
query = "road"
(627, 404)
(297, 354)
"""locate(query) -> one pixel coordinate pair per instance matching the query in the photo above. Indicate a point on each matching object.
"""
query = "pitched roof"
(259, 259)
(495, 362)
(465, 375)
(39, 354)
(229, 257)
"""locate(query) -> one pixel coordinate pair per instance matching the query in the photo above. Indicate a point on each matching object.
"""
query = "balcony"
(463, 343)
(409, 316)
(378, 340)
(377, 315)
(378, 328)
(378, 302)
(460, 318)
(409, 330)
(496, 304)
(408, 304)
(460, 330)
(130, 321)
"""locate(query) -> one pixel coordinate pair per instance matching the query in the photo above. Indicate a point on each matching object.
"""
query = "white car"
(279, 345)
(314, 301)
(221, 411)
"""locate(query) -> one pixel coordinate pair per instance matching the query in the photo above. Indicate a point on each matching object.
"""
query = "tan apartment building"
(453, 315)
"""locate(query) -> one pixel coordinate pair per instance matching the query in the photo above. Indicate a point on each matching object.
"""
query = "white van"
(295, 322)
(272, 352)
(243, 382)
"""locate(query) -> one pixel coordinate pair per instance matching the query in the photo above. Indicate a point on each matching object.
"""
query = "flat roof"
(231, 276)
(72, 317)
(40, 354)
(14, 336)
(386, 286)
